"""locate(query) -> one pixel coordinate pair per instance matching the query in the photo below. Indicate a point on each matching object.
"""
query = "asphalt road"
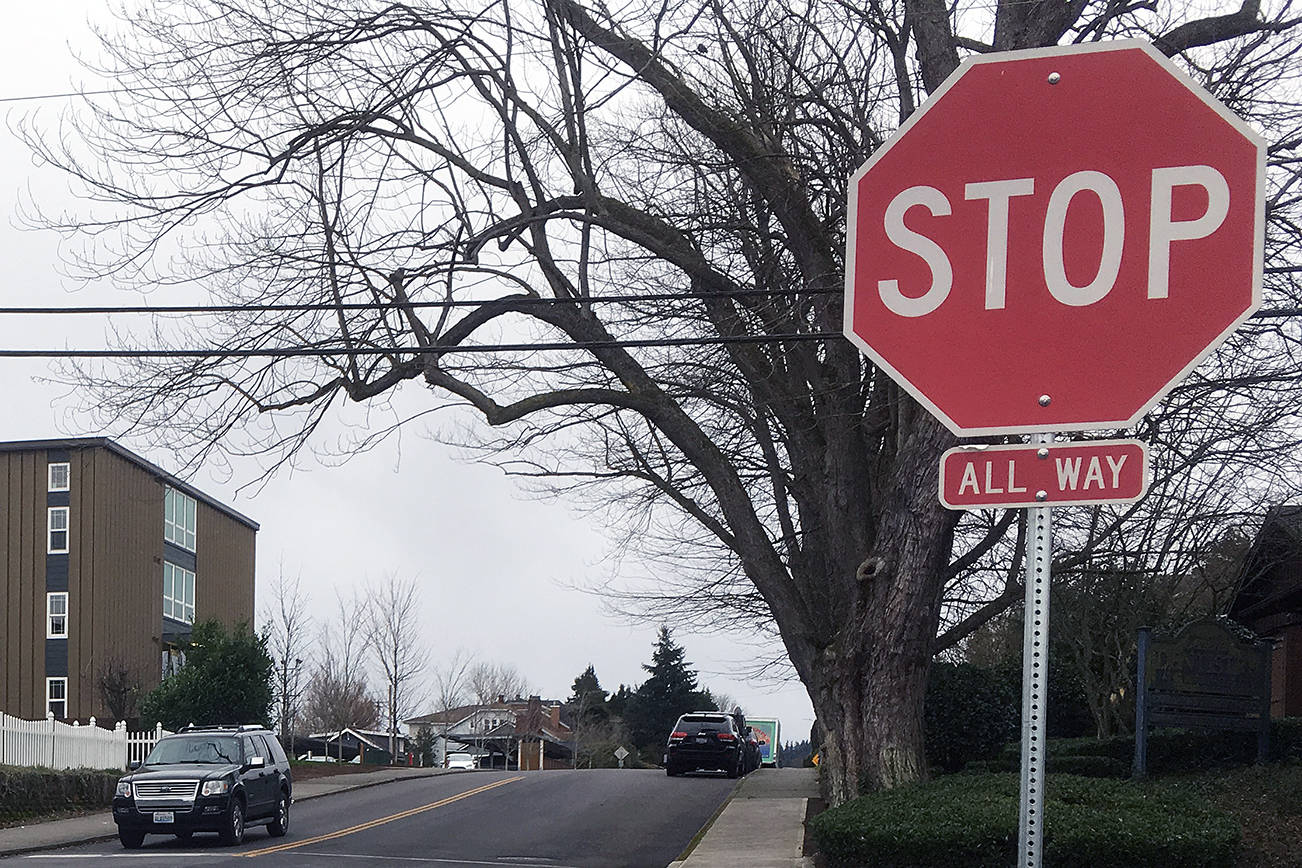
(557, 819)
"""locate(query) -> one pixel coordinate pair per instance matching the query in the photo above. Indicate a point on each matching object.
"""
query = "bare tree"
(489, 681)
(338, 694)
(451, 684)
(391, 188)
(287, 626)
(394, 636)
(119, 688)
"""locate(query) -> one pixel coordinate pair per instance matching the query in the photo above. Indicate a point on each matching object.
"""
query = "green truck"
(769, 733)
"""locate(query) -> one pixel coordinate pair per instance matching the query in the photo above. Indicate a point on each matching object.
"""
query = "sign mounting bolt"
(1054, 78)
(1042, 452)
(1042, 495)
(1045, 400)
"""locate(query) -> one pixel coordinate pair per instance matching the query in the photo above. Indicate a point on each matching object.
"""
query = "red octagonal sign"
(1055, 239)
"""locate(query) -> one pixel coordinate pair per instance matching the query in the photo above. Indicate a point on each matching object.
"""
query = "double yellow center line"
(382, 820)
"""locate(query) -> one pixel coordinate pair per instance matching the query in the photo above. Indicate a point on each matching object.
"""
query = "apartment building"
(106, 562)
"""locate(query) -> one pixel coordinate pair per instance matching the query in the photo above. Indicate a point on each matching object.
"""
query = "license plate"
(164, 817)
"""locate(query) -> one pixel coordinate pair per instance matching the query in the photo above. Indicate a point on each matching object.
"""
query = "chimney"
(556, 716)
(501, 699)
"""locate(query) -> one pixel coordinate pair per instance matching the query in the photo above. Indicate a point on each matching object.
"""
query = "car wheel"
(672, 772)
(735, 769)
(234, 831)
(131, 839)
(279, 825)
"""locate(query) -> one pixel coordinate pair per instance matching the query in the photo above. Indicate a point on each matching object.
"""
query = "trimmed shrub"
(33, 792)
(970, 713)
(971, 820)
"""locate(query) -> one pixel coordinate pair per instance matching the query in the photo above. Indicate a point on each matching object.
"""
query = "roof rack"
(222, 727)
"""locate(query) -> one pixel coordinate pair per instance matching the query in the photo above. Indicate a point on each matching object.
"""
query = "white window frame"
(50, 615)
(67, 476)
(51, 530)
(51, 700)
(180, 530)
(178, 607)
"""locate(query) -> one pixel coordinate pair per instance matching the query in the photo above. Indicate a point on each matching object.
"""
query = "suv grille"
(171, 790)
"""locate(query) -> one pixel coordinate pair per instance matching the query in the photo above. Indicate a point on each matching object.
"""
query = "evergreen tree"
(670, 690)
(587, 702)
(226, 679)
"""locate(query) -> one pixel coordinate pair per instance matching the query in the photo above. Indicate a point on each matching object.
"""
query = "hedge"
(1169, 750)
(971, 820)
(35, 792)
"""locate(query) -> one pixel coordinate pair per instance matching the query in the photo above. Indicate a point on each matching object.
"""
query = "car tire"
(672, 772)
(233, 832)
(734, 771)
(131, 839)
(279, 825)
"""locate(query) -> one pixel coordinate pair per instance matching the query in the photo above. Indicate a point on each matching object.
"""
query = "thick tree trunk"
(868, 686)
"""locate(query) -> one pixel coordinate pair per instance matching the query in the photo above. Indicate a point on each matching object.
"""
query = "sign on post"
(1096, 471)
(1049, 244)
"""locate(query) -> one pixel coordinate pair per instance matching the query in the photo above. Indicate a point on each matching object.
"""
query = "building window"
(58, 527)
(179, 519)
(56, 697)
(178, 593)
(58, 476)
(56, 615)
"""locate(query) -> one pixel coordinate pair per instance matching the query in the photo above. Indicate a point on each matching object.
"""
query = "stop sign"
(1055, 239)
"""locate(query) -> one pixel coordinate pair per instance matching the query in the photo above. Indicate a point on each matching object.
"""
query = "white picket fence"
(58, 745)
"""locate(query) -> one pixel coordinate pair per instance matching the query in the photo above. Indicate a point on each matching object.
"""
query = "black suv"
(709, 740)
(206, 779)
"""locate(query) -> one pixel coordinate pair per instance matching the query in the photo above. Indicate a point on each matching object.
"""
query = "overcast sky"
(497, 567)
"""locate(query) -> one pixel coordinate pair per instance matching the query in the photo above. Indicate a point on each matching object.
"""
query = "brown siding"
(223, 584)
(22, 587)
(116, 575)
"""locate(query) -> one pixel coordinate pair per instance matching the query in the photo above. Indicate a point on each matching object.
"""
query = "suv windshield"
(202, 749)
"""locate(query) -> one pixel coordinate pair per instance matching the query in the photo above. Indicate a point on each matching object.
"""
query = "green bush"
(35, 792)
(970, 713)
(971, 820)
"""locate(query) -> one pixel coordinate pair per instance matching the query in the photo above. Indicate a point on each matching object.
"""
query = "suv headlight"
(124, 789)
(216, 788)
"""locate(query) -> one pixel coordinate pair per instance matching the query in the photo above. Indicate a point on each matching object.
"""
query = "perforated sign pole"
(1035, 669)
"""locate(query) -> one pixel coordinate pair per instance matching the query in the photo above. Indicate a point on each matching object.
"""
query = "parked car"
(460, 761)
(219, 779)
(752, 747)
(706, 740)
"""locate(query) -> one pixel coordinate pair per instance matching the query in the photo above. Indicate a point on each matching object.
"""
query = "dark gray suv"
(219, 779)
(706, 740)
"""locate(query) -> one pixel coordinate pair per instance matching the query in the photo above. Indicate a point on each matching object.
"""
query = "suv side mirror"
(133, 765)
(257, 762)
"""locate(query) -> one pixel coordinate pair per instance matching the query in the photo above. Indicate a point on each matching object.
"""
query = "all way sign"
(1099, 471)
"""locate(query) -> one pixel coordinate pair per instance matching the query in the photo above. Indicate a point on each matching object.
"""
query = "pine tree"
(670, 690)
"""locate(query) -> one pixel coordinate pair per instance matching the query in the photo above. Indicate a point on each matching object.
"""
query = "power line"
(525, 301)
(285, 352)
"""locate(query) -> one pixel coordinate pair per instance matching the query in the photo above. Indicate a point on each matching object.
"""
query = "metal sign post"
(1035, 672)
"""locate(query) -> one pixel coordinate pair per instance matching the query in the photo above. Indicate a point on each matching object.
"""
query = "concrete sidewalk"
(761, 826)
(100, 827)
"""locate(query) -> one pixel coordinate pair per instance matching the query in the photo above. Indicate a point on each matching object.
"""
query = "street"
(584, 819)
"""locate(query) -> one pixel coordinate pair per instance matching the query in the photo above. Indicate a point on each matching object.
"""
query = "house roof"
(1270, 583)
(374, 738)
(515, 707)
(71, 443)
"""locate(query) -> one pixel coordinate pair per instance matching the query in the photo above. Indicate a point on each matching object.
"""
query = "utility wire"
(525, 301)
(283, 352)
